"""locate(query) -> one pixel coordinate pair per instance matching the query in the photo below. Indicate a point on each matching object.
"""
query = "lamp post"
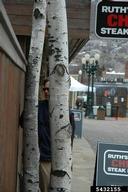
(90, 65)
(80, 75)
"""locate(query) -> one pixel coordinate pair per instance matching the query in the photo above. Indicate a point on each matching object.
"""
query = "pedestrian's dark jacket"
(44, 131)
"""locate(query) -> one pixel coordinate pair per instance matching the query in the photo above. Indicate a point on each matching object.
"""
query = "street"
(109, 130)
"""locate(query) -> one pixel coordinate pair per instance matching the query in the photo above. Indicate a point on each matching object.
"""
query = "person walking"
(44, 140)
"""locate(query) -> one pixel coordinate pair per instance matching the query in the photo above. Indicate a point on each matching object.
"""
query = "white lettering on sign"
(114, 23)
(109, 9)
(115, 162)
(114, 31)
(115, 156)
(116, 170)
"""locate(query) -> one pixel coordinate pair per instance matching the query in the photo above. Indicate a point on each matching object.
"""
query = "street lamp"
(80, 72)
(90, 65)
(80, 75)
(85, 60)
(94, 65)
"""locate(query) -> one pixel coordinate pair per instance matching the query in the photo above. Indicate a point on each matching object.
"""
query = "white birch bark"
(59, 95)
(31, 151)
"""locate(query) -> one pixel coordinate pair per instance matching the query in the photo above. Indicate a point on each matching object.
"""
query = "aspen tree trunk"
(59, 95)
(31, 151)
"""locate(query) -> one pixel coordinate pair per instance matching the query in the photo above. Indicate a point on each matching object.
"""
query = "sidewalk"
(83, 166)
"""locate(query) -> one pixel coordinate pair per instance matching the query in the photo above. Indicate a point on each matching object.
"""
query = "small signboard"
(111, 165)
(112, 19)
(78, 118)
(77, 115)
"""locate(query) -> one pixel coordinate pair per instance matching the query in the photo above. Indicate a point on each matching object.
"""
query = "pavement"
(84, 157)
(83, 165)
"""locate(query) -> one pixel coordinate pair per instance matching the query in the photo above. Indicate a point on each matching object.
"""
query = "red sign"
(112, 19)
